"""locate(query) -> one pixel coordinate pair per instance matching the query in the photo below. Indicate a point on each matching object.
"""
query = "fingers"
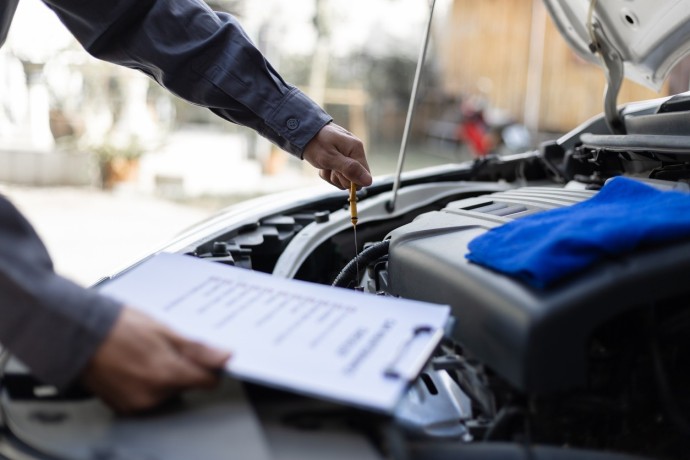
(143, 363)
(341, 171)
(204, 356)
(352, 162)
(339, 156)
(198, 363)
(188, 364)
(181, 374)
(325, 174)
(349, 170)
(334, 178)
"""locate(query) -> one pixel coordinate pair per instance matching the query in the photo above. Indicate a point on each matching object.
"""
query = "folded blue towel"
(545, 247)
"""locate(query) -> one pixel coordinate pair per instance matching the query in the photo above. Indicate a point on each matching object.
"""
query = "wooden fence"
(487, 46)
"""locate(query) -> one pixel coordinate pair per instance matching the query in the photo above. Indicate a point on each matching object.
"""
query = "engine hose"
(349, 273)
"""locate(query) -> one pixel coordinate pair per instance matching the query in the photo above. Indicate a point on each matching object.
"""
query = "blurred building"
(62, 112)
(64, 115)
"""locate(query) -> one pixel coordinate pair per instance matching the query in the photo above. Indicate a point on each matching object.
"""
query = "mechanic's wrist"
(298, 119)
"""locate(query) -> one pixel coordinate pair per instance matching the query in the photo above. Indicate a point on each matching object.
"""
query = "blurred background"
(108, 165)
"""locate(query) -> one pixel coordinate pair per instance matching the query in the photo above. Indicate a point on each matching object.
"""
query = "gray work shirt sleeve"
(51, 324)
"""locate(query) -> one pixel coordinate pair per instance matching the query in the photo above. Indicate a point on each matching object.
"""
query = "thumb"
(201, 354)
(353, 171)
(351, 161)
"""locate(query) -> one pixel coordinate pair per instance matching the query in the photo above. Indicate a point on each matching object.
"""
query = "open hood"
(650, 36)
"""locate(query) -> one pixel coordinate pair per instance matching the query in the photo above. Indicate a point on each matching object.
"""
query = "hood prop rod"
(390, 205)
(613, 63)
(614, 71)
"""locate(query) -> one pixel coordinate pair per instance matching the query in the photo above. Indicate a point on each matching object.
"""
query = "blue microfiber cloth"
(545, 247)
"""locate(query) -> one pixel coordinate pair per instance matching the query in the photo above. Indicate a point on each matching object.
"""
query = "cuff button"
(292, 123)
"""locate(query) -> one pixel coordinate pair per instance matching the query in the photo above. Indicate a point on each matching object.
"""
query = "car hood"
(651, 36)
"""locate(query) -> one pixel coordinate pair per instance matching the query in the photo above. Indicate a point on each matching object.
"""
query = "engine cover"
(537, 340)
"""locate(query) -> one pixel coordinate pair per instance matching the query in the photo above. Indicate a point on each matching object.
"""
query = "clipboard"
(396, 370)
(339, 345)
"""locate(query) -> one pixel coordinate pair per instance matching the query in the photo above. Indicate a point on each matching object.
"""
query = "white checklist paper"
(340, 345)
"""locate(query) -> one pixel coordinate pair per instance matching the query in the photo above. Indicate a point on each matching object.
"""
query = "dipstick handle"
(353, 203)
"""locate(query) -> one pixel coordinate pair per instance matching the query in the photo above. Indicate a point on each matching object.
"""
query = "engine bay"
(594, 367)
(595, 362)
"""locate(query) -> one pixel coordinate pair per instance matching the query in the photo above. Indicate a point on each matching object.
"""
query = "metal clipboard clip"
(413, 368)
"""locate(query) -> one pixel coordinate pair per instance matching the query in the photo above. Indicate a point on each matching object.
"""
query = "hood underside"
(651, 36)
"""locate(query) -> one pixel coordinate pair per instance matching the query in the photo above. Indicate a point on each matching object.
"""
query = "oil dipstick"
(353, 219)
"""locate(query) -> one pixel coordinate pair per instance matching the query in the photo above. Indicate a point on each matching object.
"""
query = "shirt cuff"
(297, 119)
(57, 343)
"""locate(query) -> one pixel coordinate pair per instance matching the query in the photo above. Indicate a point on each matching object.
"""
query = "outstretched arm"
(206, 58)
